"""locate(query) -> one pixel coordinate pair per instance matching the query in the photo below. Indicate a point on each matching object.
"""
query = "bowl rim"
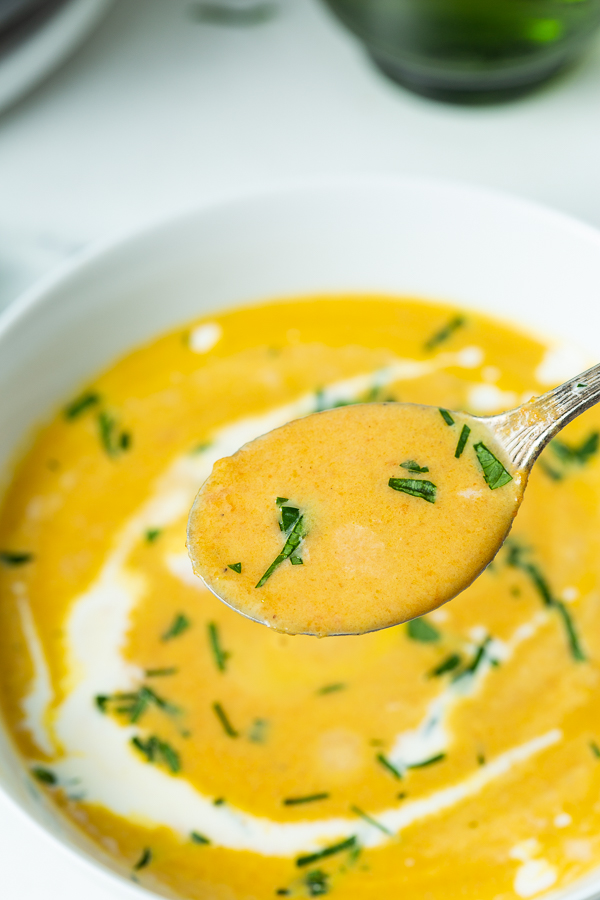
(41, 292)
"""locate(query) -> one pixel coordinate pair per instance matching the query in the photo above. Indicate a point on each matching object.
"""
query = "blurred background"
(117, 112)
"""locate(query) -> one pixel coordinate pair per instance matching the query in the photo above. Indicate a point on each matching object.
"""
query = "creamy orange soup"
(380, 536)
(456, 757)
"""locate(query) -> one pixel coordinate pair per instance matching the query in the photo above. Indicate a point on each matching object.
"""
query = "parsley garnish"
(152, 534)
(281, 500)
(224, 720)
(221, 656)
(477, 660)
(416, 487)
(446, 416)
(310, 798)
(236, 567)
(363, 815)
(158, 752)
(44, 775)
(413, 466)
(290, 516)
(198, 838)
(331, 688)
(144, 860)
(427, 762)
(462, 441)
(348, 844)
(296, 560)
(15, 558)
(135, 704)
(447, 665)
(444, 333)
(384, 761)
(81, 403)
(112, 439)
(179, 624)
(317, 883)
(494, 473)
(420, 630)
(578, 455)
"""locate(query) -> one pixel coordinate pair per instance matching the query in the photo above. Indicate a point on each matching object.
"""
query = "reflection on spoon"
(365, 516)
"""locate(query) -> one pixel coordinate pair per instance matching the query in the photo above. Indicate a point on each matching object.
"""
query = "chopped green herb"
(158, 752)
(152, 534)
(80, 404)
(549, 471)
(179, 624)
(223, 719)
(198, 838)
(144, 860)
(289, 517)
(446, 416)
(237, 567)
(416, 487)
(363, 815)
(44, 775)
(282, 892)
(157, 673)
(384, 761)
(462, 441)
(221, 656)
(348, 844)
(444, 333)
(595, 749)
(135, 704)
(478, 658)
(480, 759)
(281, 500)
(447, 665)
(125, 440)
(332, 688)
(258, 731)
(12, 558)
(200, 448)
(494, 473)
(420, 630)
(413, 466)
(220, 801)
(573, 638)
(427, 762)
(317, 883)
(294, 539)
(113, 440)
(310, 798)
(296, 560)
(581, 384)
(578, 455)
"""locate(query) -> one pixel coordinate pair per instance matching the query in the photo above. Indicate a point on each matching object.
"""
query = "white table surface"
(159, 111)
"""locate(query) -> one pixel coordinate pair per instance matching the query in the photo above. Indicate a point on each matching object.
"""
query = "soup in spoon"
(354, 519)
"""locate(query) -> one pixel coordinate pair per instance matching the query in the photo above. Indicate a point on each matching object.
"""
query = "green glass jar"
(476, 50)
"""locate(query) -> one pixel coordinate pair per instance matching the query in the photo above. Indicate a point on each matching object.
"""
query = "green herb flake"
(416, 487)
(494, 473)
(367, 818)
(384, 761)
(446, 332)
(45, 776)
(421, 630)
(281, 500)
(197, 838)
(289, 517)
(427, 762)
(446, 416)
(258, 731)
(220, 801)
(179, 624)
(159, 673)
(296, 560)
(158, 752)
(413, 466)
(80, 404)
(581, 384)
(224, 720)
(293, 541)
(152, 534)
(310, 798)
(135, 703)
(144, 860)
(221, 656)
(15, 558)
(552, 474)
(308, 860)
(317, 883)
(577, 455)
(447, 665)
(235, 567)
(595, 749)
(462, 441)
(332, 688)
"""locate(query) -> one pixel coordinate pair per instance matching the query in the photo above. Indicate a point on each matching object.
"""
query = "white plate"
(31, 60)
(470, 247)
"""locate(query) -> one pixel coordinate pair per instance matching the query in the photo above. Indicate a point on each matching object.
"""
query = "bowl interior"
(464, 246)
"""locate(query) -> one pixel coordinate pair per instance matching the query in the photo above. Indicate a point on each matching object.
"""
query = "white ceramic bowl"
(471, 247)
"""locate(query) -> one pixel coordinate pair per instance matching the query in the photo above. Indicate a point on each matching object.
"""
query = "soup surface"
(457, 756)
(378, 540)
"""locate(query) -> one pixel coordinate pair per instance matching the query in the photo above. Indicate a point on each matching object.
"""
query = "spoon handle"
(525, 431)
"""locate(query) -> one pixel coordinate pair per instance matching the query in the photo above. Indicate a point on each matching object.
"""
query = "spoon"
(365, 516)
